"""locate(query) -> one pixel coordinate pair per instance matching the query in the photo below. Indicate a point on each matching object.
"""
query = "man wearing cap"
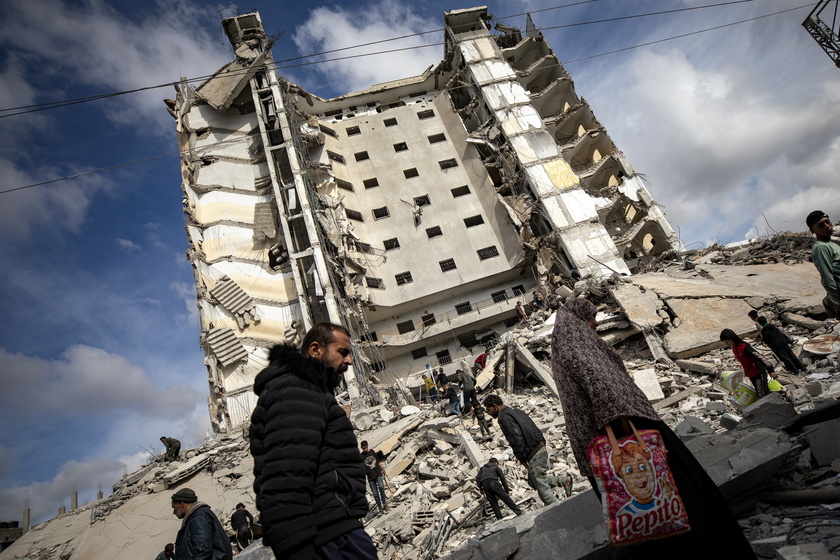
(309, 476)
(826, 257)
(201, 536)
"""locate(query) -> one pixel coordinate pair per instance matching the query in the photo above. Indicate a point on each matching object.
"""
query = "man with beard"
(201, 536)
(309, 477)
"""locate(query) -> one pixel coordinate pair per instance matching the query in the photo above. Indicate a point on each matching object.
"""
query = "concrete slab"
(822, 439)
(772, 410)
(386, 438)
(648, 382)
(701, 323)
(639, 305)
(682, 395)
(474, 452)
(531, 362)
(692, 426)
(697, 366)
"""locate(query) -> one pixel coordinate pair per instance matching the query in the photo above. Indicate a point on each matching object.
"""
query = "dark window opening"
(361, 156)
(353, 130)
(473, 221)
(335, 157)
(518, 290)
(448, 264)
(370, 337)
(403, 278)
(460, 191)
(354, 215)
(433, 231)
(372, 282)
(462, 308)
(390, 122)
(342, 184)
(406, 326)
(400, 147)
(380, 213)
(422, 200)
(499, 297)
(448, 164)
(443, 357)
(427, 114)
(327, 130)
(391, 244)
(409, 173)
(488, 253)
(362, 247)
(510, 321)
(371, 183)
(428, 320)
(435, 138)
(378, 366)
(419, 353)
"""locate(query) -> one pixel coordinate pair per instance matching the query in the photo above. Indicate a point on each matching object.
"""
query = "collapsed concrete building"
(414, 212)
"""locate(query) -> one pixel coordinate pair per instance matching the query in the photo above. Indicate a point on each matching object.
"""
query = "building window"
(353, 130)
(448, 264)
(518, 290)
(473, 221)
(342, 184)
(406, 326)
(443, 357)
(422, 200)
(378, 366)
(371, 183)
(327, 130)
(372, 282)
(361, 156)
(462, 308)
(354, 215)
(403, 278)
(409, 173)
(428, 320)
(390, 122)
(379, 213)
(460, 191)
(391, 244)
(400, 147)
(419, 353)
(427, 114)
(435, 138)
(433, 231)
(499, 297)
(448, 164)
(335, 157)
(370, 336)
(362, 247)
(488, 253)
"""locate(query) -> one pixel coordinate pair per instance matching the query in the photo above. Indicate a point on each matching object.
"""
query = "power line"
(567, 62)
(278, 63)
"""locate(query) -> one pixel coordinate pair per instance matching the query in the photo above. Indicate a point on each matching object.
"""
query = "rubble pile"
(788, 248)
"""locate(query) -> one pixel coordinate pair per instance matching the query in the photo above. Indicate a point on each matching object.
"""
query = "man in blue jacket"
(201, 536)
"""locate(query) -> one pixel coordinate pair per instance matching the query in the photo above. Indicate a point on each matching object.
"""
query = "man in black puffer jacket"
(308, 475)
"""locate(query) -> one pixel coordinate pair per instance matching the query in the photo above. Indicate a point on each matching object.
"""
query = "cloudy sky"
(736, 130)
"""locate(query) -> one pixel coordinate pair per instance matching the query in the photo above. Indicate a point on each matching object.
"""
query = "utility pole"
(823, 32)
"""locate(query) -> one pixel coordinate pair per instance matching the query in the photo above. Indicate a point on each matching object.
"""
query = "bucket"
(731, 379)
(774, 385)
(743, 395)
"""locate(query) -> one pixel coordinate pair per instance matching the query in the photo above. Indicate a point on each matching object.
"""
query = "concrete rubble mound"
(776, 460)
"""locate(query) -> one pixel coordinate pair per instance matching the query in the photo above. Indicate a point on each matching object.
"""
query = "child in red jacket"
(756, 367)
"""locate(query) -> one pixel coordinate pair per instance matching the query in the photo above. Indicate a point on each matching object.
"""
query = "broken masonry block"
(692, 426)
(729, 421)
(822, 439)
(772, 410)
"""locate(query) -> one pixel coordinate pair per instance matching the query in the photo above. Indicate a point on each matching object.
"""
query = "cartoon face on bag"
(636, 471)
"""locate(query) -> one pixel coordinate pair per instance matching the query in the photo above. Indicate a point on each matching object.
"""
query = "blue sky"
(99, 351)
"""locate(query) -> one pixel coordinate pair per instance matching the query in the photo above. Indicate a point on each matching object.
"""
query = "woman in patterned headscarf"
(596, 390)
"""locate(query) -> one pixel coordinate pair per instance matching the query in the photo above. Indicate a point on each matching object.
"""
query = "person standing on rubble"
(442, 380)
(454, 402)
(520, 311)
(826, 257)
(309, 477)
(493, 484)
(241, 521)
(201, 536)
(528, 445)
(430, 389)
(468, 386)
(375, 476)
(756, 367)
(780, 343)
(173, 448)
(596, 390)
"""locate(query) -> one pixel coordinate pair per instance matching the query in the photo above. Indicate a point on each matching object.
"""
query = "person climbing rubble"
(528, 445)
(201, 536)
(241, 521)
(493, 484)
(167, 553)
(454, 400)
(467, 382)
(309, 477)
(780, 343)
(597, 391)
(825, 255)
(173, 448)
(375, 476)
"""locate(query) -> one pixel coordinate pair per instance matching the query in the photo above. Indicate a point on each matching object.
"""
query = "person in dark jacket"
(493, 484)
(376, 476)
(468, 385)
(201, 536)
(173, 448)
(454, 402)
(240, 521)
(309, 477)
(528, 446)
(168, 553)
(779, 343)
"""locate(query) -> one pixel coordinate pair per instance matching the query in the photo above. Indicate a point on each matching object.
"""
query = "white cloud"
(186, 292)
(86, 380)
(335, 27)
(127, 245)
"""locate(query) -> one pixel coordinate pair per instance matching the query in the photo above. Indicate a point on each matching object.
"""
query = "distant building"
(415, 212)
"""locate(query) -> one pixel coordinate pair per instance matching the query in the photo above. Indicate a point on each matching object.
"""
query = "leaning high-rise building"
(415, 212)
